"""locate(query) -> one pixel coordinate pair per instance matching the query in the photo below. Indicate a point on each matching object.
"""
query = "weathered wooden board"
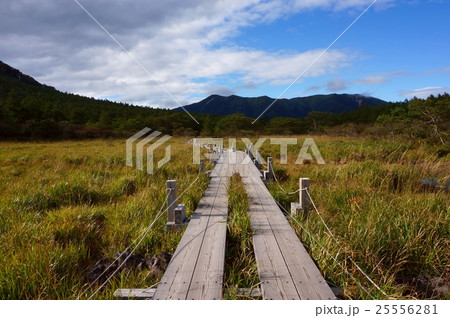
(286, 270)
(208, 275)
(196, 269)
(143, 294)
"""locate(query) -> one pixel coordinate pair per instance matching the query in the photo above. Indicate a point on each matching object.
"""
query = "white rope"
(129, 255)
(118, 257)
(331, 233)
(275, 177)
(294, 192)
(148, 288)
(320, 245)
(140, 238)
(328, 229)
(329, 254)
(336, 240)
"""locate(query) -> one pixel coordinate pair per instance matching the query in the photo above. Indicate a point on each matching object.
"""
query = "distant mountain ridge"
(250, 106)
(296, 107)
(31, 110)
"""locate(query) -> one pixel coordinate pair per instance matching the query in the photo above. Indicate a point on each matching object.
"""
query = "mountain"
(295, 107)
(7, 71)
(33, 110)
(29, 109)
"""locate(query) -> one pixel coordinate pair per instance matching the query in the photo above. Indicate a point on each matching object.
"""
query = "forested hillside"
(31, 110)
(294, 108)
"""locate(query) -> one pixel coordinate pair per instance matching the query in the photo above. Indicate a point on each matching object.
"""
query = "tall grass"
(65, 205)
(370, 195)
(240, 263)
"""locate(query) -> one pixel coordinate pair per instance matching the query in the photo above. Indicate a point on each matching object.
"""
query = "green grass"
(65, 205)
(240, 264)
(370, 196)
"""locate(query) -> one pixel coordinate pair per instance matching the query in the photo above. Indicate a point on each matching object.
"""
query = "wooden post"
(295, 208)
(171, 188)
(180, 214)
(200, 168)
(270, 173)
(304, 200)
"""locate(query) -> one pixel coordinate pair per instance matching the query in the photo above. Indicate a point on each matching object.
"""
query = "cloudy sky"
(193, 48)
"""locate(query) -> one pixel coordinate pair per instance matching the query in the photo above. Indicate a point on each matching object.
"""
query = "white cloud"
(181, 43)
(442, 70)
(340, 84)
(220, 90)
(425, 92)
(337, 85)
(372, 80)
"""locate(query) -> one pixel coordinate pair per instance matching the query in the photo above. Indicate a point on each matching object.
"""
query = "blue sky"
(193, 48)
(398, 49)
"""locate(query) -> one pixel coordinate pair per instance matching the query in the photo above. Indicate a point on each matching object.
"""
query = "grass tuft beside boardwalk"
(240, 263)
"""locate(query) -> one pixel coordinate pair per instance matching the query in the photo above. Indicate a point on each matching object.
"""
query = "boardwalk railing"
(196, 270)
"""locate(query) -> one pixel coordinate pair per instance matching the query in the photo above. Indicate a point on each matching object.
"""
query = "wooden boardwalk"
(196, 270)
(286, 270)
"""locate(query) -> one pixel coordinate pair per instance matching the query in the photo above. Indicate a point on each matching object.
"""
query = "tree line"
(41, 112)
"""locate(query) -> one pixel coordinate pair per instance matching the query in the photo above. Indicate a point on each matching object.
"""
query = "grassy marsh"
(369, 194)
(65, 205)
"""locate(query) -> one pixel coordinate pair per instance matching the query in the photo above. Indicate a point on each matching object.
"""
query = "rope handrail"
(320, 245)
(118, 257)
(139, 239)
(331, 233)
(336, 240)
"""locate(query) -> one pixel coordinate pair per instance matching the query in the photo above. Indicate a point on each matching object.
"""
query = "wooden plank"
(276, 282)
(143, 294)
(176, 280)
(307, 278)
(196, 269)
(285, 268)
(207, 280)
(221, 166)
(178, 275)
(274, 232)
